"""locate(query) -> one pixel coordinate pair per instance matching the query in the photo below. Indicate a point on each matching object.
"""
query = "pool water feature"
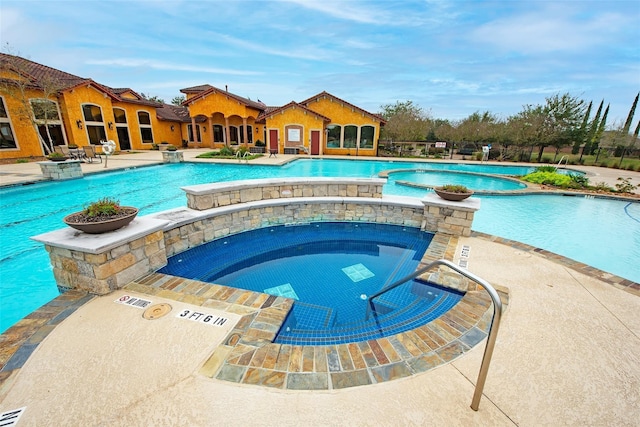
(327, 268)
(26, 280)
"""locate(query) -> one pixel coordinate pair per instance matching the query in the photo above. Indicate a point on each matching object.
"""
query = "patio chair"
(64, 150)
(90, 153)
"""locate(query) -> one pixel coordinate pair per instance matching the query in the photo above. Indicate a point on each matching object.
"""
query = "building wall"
(23, 130)
(216, 107)
(343, 115)
(294, 116)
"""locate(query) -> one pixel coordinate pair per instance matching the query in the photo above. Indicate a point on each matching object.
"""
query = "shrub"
(260, 143)
(545, 169)
(548, 178)
(578, 181)
(154, 146)
(625, 185)
(227, 151)
(546, 159)
(601, 186)
(22, 161)
(103, 207)
(478, 155)
(454, 188)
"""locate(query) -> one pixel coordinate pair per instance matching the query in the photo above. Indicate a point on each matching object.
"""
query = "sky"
(450, 58)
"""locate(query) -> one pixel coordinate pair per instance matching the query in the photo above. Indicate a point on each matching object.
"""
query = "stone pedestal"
(172, 157)
(57, 171)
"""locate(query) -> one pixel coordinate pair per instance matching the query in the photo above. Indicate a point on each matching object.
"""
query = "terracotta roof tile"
(173, 113)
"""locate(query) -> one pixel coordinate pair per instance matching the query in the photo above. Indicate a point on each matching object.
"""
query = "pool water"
(330, 269)
(471, 181)
(26, 279)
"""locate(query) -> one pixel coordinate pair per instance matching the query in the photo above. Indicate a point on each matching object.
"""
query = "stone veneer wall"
(209, 196)
(196, 233)
(103, 263)
(103, 272)
(57, 171)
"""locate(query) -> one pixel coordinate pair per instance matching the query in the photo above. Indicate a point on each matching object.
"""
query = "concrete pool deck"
(567, 353)
(19, 173)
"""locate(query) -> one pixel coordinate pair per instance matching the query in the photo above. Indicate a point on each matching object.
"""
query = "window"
(120, 115)
(366, 136)
(233, 135)
(333, 137)
(249, 133)
(350, 136)
(92, 113)
(7, 141)
(144, 120)
(190, 131)
(94, 124)
(45, 110)
(218, 133)
(47, 117)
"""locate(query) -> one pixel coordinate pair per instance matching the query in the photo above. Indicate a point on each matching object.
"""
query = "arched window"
(146, 132)
(350, 136)
(366, 136)
(333, 136)
(122, 128)
(93, 123)
(7, 140)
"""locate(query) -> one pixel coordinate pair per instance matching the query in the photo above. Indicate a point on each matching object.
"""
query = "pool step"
(420, 311)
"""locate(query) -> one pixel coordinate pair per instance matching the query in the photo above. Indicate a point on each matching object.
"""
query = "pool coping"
(20, 340)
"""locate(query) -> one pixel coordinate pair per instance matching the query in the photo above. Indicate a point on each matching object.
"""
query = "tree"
(22, 87)
(405, 122)
(178, 100)
(593, 129)
(152, 98)
(625, 130)
(563, 114)
(596, 140)
(583, 129)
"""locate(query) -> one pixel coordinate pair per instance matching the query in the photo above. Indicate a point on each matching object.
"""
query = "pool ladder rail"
(495, 320)
(242, 156)
(566, 162)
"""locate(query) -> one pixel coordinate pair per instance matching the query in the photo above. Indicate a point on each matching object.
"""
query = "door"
(123, 138)
(273, 139)
(315, 142)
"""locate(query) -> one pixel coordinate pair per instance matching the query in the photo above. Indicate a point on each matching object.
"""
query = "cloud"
(551, 29)
(158, 65)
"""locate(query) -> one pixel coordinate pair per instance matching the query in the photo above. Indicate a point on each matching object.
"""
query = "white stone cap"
(218, 187)
(72, 239)
(471, 204)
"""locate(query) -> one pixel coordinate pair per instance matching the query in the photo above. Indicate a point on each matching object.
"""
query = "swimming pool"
(329, 269)
(26, 280)
(470, 180)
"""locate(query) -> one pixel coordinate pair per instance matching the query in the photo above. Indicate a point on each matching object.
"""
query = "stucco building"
(40, 105)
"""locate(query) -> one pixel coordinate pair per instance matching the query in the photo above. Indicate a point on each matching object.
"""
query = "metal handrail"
(493, 329)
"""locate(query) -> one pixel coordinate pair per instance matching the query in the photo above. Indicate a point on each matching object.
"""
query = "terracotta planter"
(101, 226)
(452, 197)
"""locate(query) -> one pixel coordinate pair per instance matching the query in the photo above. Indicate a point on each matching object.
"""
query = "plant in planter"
(453, 192)
(57, 157)
(101, 216)
(171, 147)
